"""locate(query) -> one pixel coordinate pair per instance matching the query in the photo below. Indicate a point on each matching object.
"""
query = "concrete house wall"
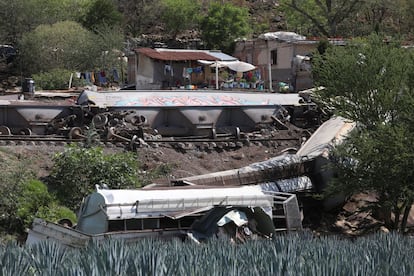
(274, 59)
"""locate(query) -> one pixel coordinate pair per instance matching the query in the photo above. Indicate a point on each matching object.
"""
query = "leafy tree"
(139, 16)
(379, 161)
(77, 170)
(223, 24)
(20, 16)
(179, 15)
(370, 82)
(67, 45)
(373, 95)
(101, 13)
(322, 18)
(61, 45)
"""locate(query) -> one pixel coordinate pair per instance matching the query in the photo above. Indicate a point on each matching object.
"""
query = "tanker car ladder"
(286, 211)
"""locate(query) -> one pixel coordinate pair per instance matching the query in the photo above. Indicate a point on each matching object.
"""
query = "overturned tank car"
(196, 213)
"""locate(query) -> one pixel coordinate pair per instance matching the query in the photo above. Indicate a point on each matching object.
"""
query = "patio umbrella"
(236, 65)
(239, 66)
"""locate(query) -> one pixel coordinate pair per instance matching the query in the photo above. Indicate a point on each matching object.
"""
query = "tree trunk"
(397, 214)
(407, 210)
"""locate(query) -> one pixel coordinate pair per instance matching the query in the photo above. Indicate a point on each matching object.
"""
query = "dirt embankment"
(182, 164)
(349, 220)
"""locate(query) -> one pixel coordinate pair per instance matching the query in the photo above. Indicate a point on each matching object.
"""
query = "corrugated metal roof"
(177, 55)
(221, 56)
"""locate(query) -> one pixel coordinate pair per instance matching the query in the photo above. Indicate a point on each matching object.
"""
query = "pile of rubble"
(9, 84)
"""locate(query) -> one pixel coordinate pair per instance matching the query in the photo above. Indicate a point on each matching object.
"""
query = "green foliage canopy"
(366, 81)
(179, 15)
(349, 18)
(56, 79)
(322, 18)
(24, 197)
(139, 16)
(370, 82)
(12, 180)
(20, 16)
(77, 170)
(223, 24)
(61, 45)
(101, 13)
(67, 45)
(35, 200)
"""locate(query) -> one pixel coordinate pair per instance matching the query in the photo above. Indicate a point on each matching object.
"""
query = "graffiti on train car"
(128, 117)
(208, 100)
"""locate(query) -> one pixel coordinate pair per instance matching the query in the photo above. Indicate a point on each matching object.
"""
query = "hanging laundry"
(115, 75)
(87, 76)
(198, 70)
(249, 76)
(186, 73)
(258, 76)
(102, 78)
(168, 70)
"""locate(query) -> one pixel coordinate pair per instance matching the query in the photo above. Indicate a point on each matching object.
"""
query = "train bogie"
(125, 115)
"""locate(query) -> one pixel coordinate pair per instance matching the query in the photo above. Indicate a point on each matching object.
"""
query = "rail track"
(284, 138)
(204, 120)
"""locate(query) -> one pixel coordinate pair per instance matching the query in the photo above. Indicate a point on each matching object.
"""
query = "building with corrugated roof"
(160, 68)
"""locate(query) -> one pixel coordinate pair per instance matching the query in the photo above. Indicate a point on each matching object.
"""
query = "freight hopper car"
(197, 114)
(31, 117)
(129, 115)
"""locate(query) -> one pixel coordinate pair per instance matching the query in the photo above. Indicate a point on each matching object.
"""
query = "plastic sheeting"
(283, 36)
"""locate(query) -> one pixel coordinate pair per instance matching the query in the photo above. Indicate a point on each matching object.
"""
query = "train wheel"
(25, 131)
(213, 133)
(5, 130)
(76, 133)
(237, 134)
(100, 120)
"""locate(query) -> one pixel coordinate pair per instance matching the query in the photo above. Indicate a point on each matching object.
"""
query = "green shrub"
(34, 194)
(13, 177)
(54, 212)
(56, 79)
(78, 170)
(34, 200)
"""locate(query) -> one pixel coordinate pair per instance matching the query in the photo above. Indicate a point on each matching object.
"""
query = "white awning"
(238, 66)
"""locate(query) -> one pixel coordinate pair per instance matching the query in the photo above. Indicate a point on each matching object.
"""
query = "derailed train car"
(305, 172)
(244, 203)
(195, 213)
(122, 115)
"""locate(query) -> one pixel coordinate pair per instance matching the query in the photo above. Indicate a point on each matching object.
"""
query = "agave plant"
(293, 254)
